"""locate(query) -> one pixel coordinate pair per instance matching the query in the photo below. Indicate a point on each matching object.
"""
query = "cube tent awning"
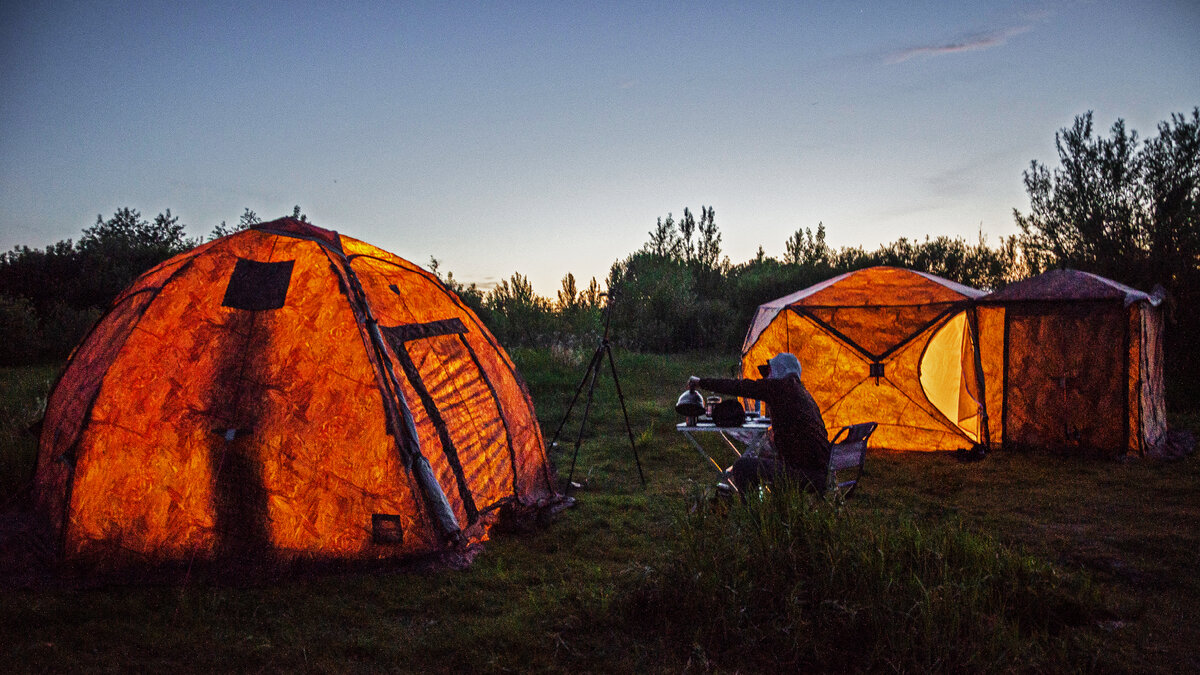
(1073, 361)
(285, 392)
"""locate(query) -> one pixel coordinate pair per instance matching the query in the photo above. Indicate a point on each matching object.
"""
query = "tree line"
(1114, 205)
(50, 297)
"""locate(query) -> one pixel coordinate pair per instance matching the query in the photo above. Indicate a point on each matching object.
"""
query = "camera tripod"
(593, 373)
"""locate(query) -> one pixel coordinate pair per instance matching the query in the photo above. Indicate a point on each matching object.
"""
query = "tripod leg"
(587, 406)
(620, 396)
(594, 363)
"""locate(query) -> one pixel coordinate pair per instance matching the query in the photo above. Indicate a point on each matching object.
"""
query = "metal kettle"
(690, 404)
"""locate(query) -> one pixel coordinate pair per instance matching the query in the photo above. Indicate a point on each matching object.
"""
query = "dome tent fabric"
(285, 392)
(882, 344)
(1073, 362)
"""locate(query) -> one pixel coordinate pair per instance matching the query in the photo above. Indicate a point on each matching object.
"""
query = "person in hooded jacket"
(797, 431)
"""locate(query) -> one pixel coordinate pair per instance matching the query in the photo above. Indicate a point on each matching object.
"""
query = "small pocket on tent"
(386, 528)
(256, 286)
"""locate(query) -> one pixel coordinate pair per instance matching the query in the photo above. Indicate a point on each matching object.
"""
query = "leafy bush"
(23, 393)
(20, 334)
(64, 327)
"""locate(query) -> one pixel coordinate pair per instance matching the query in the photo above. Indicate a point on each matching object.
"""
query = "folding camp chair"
(848, 451)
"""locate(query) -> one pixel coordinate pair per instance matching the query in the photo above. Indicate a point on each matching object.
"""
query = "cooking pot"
(690, 404)
(728, 413)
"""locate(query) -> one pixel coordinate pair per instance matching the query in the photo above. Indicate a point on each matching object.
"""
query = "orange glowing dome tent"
(285, 392)
(886, 345)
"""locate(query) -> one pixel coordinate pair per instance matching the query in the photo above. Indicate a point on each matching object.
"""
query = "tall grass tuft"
(787, 581)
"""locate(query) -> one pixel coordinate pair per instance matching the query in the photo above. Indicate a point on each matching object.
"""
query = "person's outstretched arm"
(761, 390)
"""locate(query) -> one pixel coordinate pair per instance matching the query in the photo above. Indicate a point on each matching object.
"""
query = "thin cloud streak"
(977, 42)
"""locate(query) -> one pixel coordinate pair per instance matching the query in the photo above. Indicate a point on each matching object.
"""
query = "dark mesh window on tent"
(257, 286)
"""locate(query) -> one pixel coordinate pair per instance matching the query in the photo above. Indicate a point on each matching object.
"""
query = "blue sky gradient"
(548, 137)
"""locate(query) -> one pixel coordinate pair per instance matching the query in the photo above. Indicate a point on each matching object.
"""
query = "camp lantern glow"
(275, 394)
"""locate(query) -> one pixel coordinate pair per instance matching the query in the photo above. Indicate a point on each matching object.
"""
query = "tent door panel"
(1152, 400)
(449, 449)
(947, 375)
(475, 422)
(462, 405)
(1065, 387)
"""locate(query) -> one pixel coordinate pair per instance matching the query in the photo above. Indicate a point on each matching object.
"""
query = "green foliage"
(69, 284)
(1085, 214)
(763, 279)
(43, 276)
(29, 334)
(687, 241)
(247, 220)
(787, 582)
(670, 295)
(655, 304)
(1171, 173)
(579, 312)
(675, 295)
(471, 295)
(20, 332)
(64, 326)
(23, 393)
(62, 289)
(1126, 211)
(519, 316)
(127, 234)
(806, 249)
(976, 265)
(113, 252)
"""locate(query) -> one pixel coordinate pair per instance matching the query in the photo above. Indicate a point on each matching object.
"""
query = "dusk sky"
(547, 137)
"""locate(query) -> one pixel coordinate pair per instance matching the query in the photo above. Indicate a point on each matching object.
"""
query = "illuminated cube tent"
(885, 345)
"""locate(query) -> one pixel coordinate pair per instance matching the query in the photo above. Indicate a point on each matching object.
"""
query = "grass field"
(649, 579)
